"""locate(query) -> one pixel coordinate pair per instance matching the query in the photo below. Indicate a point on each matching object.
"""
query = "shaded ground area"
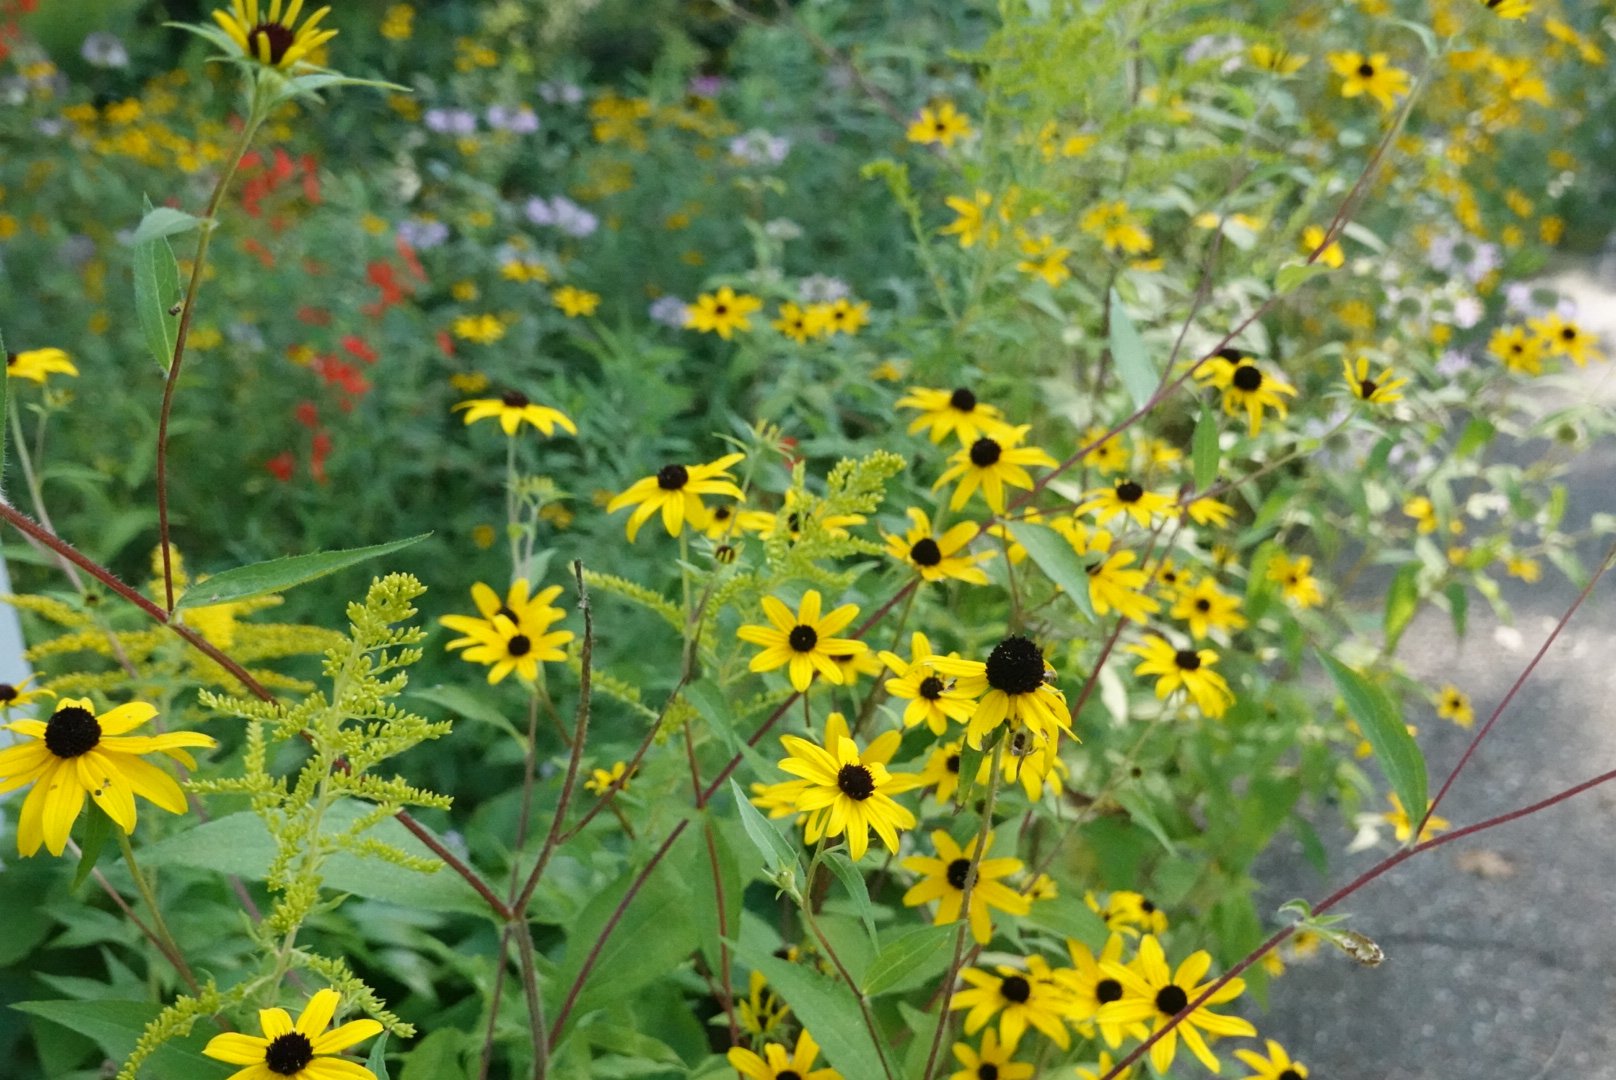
(1501, 950)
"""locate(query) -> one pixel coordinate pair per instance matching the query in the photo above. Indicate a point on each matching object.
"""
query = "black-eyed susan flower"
(512, 409)
(1381, 390)
(1278, 60)
(991, 462)
(575, 302)
(849, 792)
(501, 645)
(722, 313)
(14, 696)
(1117, 227)
(301, 1051)
(1020, 998)
(1033, 763)
(952, 411)
(1278, 1065)
(1208, 511)
(1453, 704)
(1369, 74)
(1207, 607)
(945, 878)
(1296, 580)
(1012, 686)
(1045, 260)
(38, 364)
(760, 1011)
(1108, 455)
(803, 642)
(1562, 337)
(843, 316)
(676, 491)
(931, 696)
(1508, 9)
(1190, 669)
(722, 521)
(1331, 256)
(1517, 350)
(269, 33)
(853, 665)
(938, 557)
(1042, 887)
(777, 1064)
(1088, 988)
(992, 1062)
(1152, 992)
(800, 324)
(1117, 919)
(532, 615)
(601, 780)
(1137, 910)
(942, 771)
(480, 329)
(1245, 386)
(77, 753)
(1125, 497)
(940, 124)
(971, 222)
(1403, 828)
(1115, 584)
(791, 520)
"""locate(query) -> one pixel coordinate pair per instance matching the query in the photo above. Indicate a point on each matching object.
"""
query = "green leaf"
(472, 705)
(1134, 368)
(970, 764)
(1399, 755)
(1477, 433)
(157, 290)
(5, 389)
(97, 828)
(828, 1009)
(1206, 449)
(652, 938)
(163, 221)
(630, 1043)
(1134, 801)
(439, 1056)
(911, 961)
(278, 575)
(853, 882)
(377, 1061)
(1402, 602)
(1056, 557)
(1290, 278)
(117, 1025)
(1068, 916)
(778, 853)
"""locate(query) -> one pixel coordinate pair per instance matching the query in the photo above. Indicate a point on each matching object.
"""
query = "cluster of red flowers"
(10, 31)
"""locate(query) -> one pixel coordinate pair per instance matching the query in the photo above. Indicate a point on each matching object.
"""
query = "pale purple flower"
(1452, 362)
(561, 93)
(1566, 308)
(1230, 48)
(562, 213)
(539, 212)
(705, 86)
(48, 126)
(1467, 312)
(422, 234)
(819, 289)
(670, 311)
(758, 147)
(451, 121)
(104, 50)
(518, 120)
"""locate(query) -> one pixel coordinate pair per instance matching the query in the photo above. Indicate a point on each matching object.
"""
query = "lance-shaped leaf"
(278, 575)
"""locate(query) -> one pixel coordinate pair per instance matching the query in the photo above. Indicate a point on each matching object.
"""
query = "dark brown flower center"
(720, 309)
(1366, 70)
(1107, 991)
(1247, 378)
(71, 732)
(515, 399)
(8, 693)
(962, 399)
(855, 782)
(519, 645)
(280, 38)
(1016, 989)
(721, 513)
(1292, 1074)
(1568, 333)
(985, 452)
(931, 688)
(1187, 659)
(925, 552)
(987, 1071)
(289, 1054)
(788, 1074)
(1203, 605)
(1016, 666)
(1129, 491)
(1146, 906)
(957, 870)
(672, 477)
(1367, 388)
(1171, 999)
(802, 638)
(952, 764)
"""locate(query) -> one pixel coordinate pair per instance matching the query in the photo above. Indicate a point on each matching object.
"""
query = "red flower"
(253, 246)
(384, 277)
(407, 253)
(311, 179)
(446, 343)
(358, 349)
(317, 455)
(307, 414)
(313, 316)
(281, 465)
(337, 373)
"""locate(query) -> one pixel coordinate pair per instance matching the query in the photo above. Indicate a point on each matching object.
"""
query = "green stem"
(159, 927)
